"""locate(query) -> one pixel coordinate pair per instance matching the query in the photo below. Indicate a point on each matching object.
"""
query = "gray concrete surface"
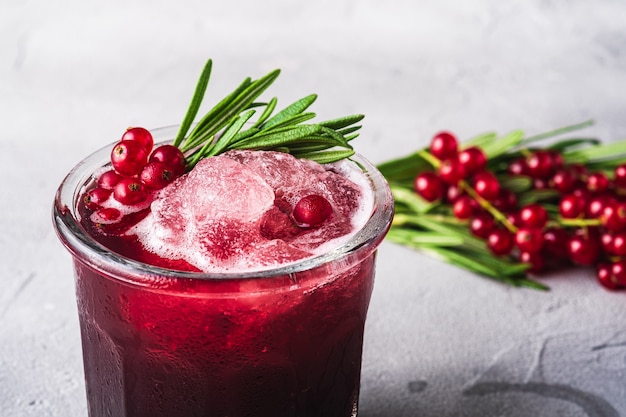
(440, 341)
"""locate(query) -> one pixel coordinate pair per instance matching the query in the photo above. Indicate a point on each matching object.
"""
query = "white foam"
(197, 226)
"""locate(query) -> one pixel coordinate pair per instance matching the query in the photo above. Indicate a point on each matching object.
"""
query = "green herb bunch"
(589, 233)
(231, 124)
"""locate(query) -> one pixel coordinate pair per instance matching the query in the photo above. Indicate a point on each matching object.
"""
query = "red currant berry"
(620, 176)
(108, 179)
(607, 242)
(500, 242)
(481, 225)
(540, 164)
(555, 243)
(473, 160)
(486, 185)
(94, 198)
(580, 170)
(518, 167)
(534, 215)
(564, 181)
(541, 184)
(464, 207)
(557, 159)
(444, 145)
(618, 272)
(277, 225)
(534, 260)
(506, 201)
(429, 186)
(597, 183)
(128, 158)
(171, 156)
(451, 171)
(311, 211)
(514, 219)
(583, 250)
(106, 215)
(141, 135)
(614, 217)
(156, 175)
(453, 193)
(529, 239)
(129, 191)
(617, 244)
(571, 206)
(596, 206)
(605, 277)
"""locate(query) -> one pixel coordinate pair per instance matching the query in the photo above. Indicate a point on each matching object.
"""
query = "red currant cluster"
(591, 228)
(138, 170)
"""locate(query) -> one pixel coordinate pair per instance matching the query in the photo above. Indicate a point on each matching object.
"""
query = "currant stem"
(430, 158)
(497, 214)
(578, 222)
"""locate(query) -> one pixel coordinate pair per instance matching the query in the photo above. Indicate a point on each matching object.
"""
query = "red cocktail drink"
(161, 338)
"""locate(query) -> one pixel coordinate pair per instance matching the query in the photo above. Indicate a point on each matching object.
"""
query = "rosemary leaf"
(609, 151)
(290, 112)
(267, 112)
(342, 122)
(196, 101)
(326, 157)
(504, 144)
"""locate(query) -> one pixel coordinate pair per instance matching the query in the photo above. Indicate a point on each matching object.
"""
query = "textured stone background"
(440, 341)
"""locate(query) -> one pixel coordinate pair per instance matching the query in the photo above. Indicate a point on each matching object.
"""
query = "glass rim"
(84, 247)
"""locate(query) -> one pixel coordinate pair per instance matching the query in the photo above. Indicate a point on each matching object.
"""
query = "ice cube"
(233, 212)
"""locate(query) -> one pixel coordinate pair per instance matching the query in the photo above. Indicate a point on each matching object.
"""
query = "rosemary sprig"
(230, 125)
(432, 229)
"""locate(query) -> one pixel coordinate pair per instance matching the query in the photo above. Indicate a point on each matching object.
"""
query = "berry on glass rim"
(108, 179)
(473, 160)
(128, 157)
(106, 215)
(156, 175)
(94, 198)
(171, 156)
(500, 242)
(130, 191)
(311, 210)
(429, 186)
(444, 145)
(141, 135)
(486, 185)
